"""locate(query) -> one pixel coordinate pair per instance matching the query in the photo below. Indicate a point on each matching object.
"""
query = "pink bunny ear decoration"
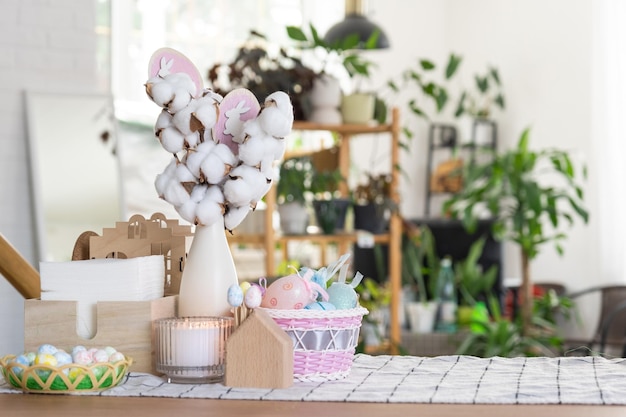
(237, 107)
(166, 61)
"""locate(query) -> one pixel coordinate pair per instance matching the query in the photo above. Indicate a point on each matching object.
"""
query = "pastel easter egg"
(83, 357)
(110, 350)
(45, 359)
(100, 356)
(234, 295)
(47, 349)
(244, 286)
(253, 297)
(22, 360)
(31, 357)
(63, 358)
(116, 357)
(288, 293)
(75, 373)
(78, 348)
(320, 305)
(342, 296)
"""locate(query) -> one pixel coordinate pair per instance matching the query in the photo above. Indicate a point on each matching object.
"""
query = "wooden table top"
(21, 405)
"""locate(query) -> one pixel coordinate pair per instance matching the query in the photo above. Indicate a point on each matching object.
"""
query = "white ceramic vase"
(325, 99)
(209, 272)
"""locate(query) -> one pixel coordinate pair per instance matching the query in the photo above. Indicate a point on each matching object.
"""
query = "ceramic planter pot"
(358, 108)
(421, 316)
(294, 218)
(369, 217)
(325, 99)
(331, 214)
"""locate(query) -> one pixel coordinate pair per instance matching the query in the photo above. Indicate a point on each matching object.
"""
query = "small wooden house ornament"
(259, 354)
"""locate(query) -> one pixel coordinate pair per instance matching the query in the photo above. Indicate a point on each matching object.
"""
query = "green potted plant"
(256, 68)
(375, 297)
(474, 283)
(330, 208)
(357, 107)
(372, 203)
(419, 259)
(291, 192)
(475, 107)
(498, 336)
(526, 211)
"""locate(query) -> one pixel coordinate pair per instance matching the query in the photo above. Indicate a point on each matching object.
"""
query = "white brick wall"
(45, 45)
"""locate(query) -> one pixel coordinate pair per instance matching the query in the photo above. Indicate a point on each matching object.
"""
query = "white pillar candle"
(191, 349)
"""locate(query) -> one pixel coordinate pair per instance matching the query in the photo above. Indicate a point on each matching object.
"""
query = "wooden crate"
(125, 325)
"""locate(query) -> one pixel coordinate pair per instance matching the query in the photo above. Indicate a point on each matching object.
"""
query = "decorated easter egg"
(100, 356)
(287, 293)
(244, 286)
(342, 296)
(253, 297)
(83, 357)
(320, 305)
(47, 349)
(63, 358)
(235, 295)
(116, 357)
(78, 348)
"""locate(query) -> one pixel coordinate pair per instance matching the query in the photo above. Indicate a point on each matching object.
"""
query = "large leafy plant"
(344, 50)
(487, 94)
(512, 188)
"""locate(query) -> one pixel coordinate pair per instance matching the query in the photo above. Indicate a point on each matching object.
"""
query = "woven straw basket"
(70, 378)
(324, 341)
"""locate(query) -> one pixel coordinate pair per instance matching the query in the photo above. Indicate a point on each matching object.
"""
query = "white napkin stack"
(93, 280)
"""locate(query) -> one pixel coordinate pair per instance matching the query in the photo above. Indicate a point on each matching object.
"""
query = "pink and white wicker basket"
(324, 340)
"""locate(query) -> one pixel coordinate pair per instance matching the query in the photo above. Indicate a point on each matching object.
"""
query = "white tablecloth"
(408, 379)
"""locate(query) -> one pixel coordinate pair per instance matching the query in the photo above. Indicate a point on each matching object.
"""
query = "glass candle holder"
(192, 349)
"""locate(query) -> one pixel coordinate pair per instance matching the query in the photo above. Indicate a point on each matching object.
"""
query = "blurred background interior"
(73, 105)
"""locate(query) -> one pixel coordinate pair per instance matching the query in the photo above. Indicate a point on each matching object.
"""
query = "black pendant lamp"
(356, 22)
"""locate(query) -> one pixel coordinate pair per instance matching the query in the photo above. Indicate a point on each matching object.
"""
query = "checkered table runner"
(408, 379)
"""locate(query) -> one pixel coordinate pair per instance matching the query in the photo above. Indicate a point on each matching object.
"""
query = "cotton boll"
(251, 151)
(279, 148)
(194, 158)
(163, 121)
(183, 174)
(182, 118)
(267, 168)
(223, 152)
(182, 81)
(188, 210)
(159, 91)
(276, 117)
(181, 99)
(207, 92)
(211, 208)
(198, 193)
(251, 127)
(217, 164)
(165, 177)
(171, 139)
(234, 216)
(206, 113)
(192, 140)
(175, 193)
(245, 186)
(213, 170)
